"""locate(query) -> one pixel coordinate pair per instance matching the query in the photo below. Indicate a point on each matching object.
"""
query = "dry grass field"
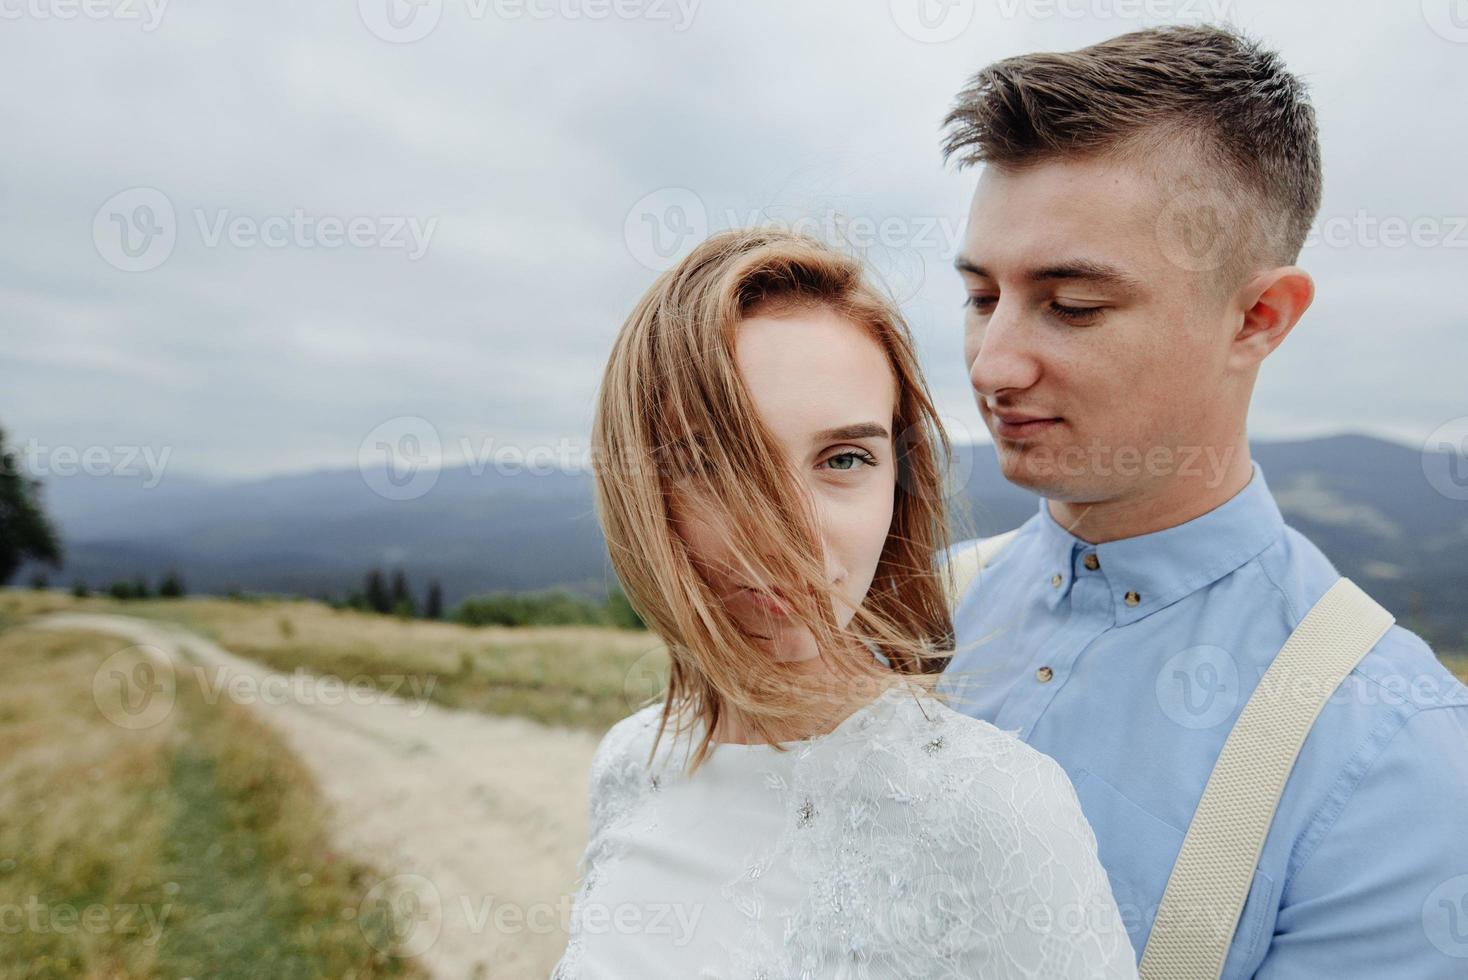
(570, 676)
(191, 847)
(484, 805)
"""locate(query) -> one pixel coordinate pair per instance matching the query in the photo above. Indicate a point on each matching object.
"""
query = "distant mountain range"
(1365, 502)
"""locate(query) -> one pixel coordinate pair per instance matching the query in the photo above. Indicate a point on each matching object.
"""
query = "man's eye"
(1075, 314)
(848, 461)
(980, 303)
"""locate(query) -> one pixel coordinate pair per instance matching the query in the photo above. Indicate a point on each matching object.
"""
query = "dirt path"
(479, 819)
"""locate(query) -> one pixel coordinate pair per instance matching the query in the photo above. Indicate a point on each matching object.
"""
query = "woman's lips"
(1020, 428)
(767, 602)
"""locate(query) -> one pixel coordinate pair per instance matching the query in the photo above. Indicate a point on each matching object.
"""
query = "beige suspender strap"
(967, 563)
(1205, 894)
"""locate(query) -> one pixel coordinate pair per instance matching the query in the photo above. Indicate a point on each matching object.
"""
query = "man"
(1129, 264)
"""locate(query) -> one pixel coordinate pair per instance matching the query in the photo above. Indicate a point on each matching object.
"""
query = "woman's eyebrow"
(861, 430)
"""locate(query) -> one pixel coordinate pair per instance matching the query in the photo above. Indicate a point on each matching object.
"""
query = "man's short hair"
(1243, 121)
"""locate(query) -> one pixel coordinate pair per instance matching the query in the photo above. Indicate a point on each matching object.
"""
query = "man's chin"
(1024, 467)
(1033, 468)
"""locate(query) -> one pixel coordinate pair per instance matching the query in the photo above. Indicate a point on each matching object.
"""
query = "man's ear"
(1272, 303)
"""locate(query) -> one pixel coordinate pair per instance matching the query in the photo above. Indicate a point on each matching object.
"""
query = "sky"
(265, 238)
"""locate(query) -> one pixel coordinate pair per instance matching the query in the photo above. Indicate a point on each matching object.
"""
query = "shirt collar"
(1150, 571)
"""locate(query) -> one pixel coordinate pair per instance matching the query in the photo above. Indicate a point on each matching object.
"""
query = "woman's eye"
(1075, 314)
(848, 461)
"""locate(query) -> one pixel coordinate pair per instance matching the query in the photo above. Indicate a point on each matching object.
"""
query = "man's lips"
(1016, 425)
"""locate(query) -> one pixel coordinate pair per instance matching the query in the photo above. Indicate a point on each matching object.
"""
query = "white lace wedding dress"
(910, 841)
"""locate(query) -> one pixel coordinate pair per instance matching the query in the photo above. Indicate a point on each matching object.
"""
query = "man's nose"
(1005, 359)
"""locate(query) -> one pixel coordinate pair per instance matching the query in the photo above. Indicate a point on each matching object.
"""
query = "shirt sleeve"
(1385, 891)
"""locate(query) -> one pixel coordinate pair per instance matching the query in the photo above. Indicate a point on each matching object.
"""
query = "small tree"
(79, 589)
(401, 597)
(25, 531)
(172, 586)
(376, 592)
(433, 609)
(140, 588)
(620, 611)
(40, 581)
(120, 590)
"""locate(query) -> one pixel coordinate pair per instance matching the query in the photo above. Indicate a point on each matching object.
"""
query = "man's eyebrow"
(861, 430)
(1084, 270)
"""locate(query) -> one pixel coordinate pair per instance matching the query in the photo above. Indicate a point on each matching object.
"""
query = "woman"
(802, 803)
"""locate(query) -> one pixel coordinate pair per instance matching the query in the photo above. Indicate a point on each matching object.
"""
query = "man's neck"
(1183, 499)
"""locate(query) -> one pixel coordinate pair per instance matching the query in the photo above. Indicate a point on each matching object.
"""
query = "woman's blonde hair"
(672, 405)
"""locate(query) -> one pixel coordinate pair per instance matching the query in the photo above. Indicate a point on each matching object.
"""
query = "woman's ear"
(1272, 304)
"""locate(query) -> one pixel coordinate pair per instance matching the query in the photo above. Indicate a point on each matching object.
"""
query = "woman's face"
(825, 389)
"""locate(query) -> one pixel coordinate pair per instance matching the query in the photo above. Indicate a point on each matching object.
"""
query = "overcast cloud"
(326, 224)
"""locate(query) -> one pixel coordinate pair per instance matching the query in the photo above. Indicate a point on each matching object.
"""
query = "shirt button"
(1133, 599)
(1092, 562)
(1044, 674)
(1055, 580)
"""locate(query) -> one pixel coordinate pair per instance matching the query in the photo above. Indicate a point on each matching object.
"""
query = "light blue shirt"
(1364, 873)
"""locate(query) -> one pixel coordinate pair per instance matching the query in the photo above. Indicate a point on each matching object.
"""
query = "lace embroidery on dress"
(620, 783)
(930, 844)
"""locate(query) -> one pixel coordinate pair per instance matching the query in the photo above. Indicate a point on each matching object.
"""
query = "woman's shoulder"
(939, 751)
(928, 728)
(629, 738)
(638, 725)
(619, 768)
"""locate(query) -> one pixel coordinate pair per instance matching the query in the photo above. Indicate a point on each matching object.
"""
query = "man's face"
(1077, 317)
